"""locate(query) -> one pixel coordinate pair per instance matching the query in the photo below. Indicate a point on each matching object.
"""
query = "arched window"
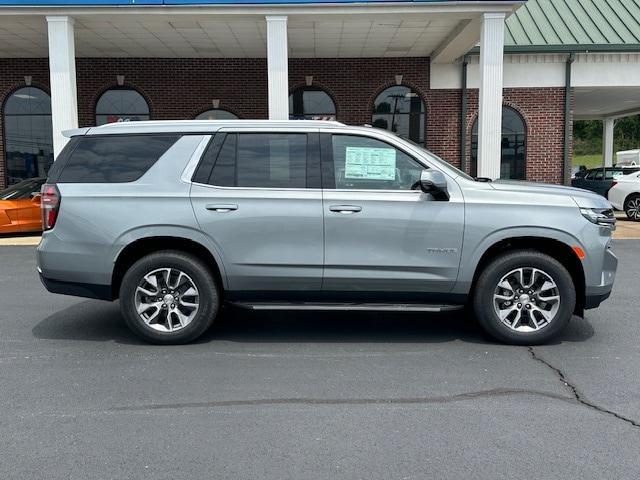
(28, 135)
(514, 140)
(311, 103)
(121, 105)
(401, 110)
(217, 114)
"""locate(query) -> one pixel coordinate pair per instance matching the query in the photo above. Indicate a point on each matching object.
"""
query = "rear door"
(382, 237)
(257, 195)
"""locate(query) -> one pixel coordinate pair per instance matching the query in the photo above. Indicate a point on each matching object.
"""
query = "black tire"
(632, 207)
(483, 297)
(199, 274)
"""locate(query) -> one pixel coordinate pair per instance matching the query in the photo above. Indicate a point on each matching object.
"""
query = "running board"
(378, 307)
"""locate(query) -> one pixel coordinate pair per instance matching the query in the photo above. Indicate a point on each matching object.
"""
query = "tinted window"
(217, 114)
(121, 105)
(311, 103)
(114, 158)
(513, 145)
(401, 110)
(267, 160)
(611, 174)
(366, 163)
(28, 142)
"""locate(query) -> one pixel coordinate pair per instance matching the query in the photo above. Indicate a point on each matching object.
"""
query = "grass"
(591, 161)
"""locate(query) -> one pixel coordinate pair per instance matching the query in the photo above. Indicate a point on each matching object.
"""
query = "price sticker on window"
(370, 163)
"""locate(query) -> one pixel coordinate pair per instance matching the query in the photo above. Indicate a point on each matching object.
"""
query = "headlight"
(600, 216)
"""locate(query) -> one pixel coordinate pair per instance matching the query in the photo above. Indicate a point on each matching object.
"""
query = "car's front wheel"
(169, 297)
(632, 207)
(524, 297)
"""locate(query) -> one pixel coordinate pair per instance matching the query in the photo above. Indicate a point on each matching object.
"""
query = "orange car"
(20, 207)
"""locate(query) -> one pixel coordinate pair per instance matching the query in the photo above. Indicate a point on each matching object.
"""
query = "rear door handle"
(222, 208)
(346, 209)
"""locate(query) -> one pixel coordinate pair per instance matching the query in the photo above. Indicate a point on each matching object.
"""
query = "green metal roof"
(564, 25)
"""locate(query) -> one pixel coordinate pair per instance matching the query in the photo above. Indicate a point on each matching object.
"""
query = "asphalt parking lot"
(331, 396)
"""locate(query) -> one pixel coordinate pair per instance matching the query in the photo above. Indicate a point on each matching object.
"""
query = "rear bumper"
(87, 290)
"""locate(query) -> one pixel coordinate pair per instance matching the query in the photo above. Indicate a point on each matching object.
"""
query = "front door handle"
(346, 209)
(222, 208)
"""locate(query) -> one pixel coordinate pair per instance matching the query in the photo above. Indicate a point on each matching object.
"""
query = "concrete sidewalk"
(19, 241)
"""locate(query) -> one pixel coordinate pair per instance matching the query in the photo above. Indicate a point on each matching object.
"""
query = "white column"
(278, 68)
(490, 98)
(607, 141)
(62, 70)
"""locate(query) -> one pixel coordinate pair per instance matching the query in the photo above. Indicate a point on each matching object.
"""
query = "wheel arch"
(628, 197)
(556, 249)
(146, 245)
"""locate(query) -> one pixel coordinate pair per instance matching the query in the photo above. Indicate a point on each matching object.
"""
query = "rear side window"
(264, 160)
(114, 158)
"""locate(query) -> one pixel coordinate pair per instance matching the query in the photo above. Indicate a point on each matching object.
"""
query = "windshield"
(22, 190)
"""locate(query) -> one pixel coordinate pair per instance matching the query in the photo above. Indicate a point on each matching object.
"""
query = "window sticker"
(370, 163)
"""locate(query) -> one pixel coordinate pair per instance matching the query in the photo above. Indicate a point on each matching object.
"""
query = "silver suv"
(175, 218)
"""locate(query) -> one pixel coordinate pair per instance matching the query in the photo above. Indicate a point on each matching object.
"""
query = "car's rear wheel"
(632, 207)
(524, 298)
(169, 297)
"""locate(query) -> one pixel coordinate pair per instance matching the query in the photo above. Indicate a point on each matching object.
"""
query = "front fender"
(475, 248)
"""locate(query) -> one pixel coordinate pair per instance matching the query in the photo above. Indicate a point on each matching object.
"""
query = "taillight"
(50, 204)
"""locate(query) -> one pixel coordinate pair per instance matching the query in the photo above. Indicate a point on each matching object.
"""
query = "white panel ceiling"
(598, 102)
(237, 37)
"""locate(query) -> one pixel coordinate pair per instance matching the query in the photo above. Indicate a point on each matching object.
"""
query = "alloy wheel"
(633, 208)
(167, 299)
(526, 299)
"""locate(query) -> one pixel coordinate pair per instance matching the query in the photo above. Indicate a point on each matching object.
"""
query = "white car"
(625, 195)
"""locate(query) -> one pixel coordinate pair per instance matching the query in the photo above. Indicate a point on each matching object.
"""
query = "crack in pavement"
(576, 394)
(497, 392)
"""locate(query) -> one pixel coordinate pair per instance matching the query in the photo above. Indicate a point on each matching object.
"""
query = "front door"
(384, 239)
(262, 205)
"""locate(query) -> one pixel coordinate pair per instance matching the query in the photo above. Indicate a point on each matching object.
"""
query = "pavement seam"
(576, 393)
(497, 392)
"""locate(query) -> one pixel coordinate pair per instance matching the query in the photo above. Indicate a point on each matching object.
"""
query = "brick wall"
(354, 83)
(183, 88)
(543, 112)
(443, 124)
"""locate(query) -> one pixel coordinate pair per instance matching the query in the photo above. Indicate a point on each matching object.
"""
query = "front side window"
(401, 110)
(28, 140)
(311, 103)
(264, 160)
(121, 105)
(513, 143)
(367, 163)
(217, 114)
(114, 158)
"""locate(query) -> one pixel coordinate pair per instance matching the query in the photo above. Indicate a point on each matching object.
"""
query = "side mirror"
(435, 183)
(35, 197)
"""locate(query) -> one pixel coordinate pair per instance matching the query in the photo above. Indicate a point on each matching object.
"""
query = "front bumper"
(596, 294)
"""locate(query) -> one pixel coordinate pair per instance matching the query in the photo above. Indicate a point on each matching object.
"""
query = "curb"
(19, 241)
